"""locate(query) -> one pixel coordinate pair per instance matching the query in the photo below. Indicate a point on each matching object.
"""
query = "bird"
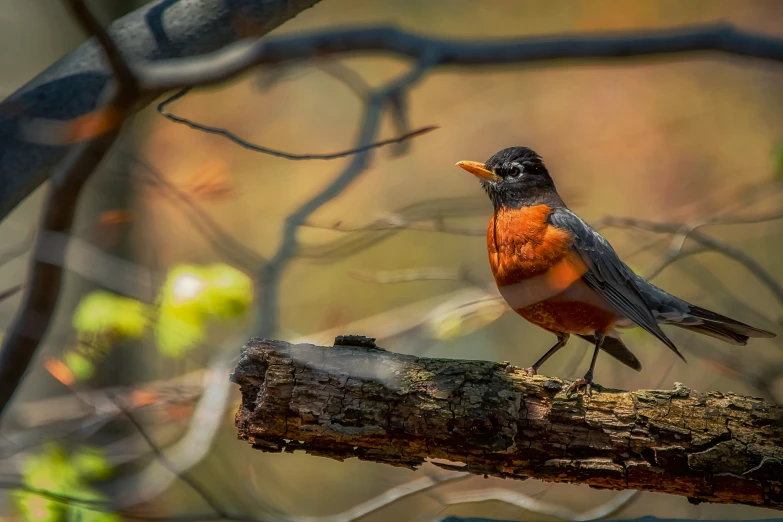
(560, 274)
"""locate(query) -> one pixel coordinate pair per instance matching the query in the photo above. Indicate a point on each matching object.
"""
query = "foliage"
(54, 473)
(189, 298)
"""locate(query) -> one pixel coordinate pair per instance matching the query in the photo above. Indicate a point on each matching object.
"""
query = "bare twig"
(435, 273)
(349, 77)
(537, 506)
(191, 448)
(388, 497)
(200, 490)
(271, 273)
(222, 241)
(277, 153)
(10, 292)
(672, 257)
(398, 222)
(17, 250)
(709, 242)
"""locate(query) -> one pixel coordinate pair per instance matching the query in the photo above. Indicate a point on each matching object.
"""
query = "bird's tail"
(617, 349)
(703, 321)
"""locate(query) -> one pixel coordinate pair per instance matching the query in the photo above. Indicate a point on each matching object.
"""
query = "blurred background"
(399, 253)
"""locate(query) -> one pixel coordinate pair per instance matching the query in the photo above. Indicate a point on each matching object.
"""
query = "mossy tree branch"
(358, 400)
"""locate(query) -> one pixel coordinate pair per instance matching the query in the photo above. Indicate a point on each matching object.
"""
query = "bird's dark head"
(515, 177)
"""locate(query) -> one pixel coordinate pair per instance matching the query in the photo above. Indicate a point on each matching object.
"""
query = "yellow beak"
(479, 170)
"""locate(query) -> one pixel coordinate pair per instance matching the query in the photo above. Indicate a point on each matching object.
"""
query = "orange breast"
(537, 273)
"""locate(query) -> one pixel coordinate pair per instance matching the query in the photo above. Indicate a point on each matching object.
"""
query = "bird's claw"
(530, 372)
(580, 384)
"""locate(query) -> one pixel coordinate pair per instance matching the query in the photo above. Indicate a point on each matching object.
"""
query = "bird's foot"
(530, 371)
(581, 386)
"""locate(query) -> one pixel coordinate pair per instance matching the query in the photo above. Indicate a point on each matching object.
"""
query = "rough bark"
(162, 29)
(358, 400)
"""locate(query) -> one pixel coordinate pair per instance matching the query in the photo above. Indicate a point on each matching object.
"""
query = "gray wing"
(607, 275)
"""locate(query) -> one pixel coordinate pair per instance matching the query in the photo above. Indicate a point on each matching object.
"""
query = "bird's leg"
(586, 382)
(562, 339)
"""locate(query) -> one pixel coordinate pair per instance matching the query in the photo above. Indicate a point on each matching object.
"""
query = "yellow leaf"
(111, 314)
(179, 330)
(229, 293)
(80, 366)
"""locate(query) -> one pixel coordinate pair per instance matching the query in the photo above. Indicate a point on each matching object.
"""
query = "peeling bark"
(358, 400)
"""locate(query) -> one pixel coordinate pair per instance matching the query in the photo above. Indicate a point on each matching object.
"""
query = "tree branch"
(74, 86)
(230, 62)
(400, 138)
(357, 400)
(178, 54)
(43, 291)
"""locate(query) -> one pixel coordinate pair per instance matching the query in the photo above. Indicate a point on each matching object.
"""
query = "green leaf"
(56, 472)
(35, 508)
(184, 288)
(107, 313)
(179, 330)
(91, 463)
(81, 367)
(777, 165)
(230, 291)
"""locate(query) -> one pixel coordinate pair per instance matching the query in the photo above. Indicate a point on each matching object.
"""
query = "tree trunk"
(358, 400)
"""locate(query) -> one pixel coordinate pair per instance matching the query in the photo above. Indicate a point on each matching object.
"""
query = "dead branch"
(358, 400)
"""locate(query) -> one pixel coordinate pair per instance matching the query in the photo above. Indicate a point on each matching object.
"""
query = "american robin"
(560, 274)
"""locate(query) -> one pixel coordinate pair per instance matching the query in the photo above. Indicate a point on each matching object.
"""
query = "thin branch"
(230, 62)
(200, 490)
(436, 273)
(271, 274)
(348, 76)
(128, 86)
(10, 292)
(398, 222)
(277, 153)
(672, 257)
(19, 250)
(753, 266)
(222, 241)
(191, 448)
(83, 503)
(388, 497)
(537, 506)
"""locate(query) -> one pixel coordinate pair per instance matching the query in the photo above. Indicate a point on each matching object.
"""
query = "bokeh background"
(680, 140)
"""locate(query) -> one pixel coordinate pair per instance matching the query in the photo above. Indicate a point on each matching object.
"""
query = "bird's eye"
(514, 170)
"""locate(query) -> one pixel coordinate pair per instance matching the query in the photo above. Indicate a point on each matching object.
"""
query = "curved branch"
(74, 85)
(279, 153)
(357, 400)
(231, 62)
(43, 290)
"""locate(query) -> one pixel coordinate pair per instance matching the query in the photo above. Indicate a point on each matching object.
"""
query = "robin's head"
(515, 177)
